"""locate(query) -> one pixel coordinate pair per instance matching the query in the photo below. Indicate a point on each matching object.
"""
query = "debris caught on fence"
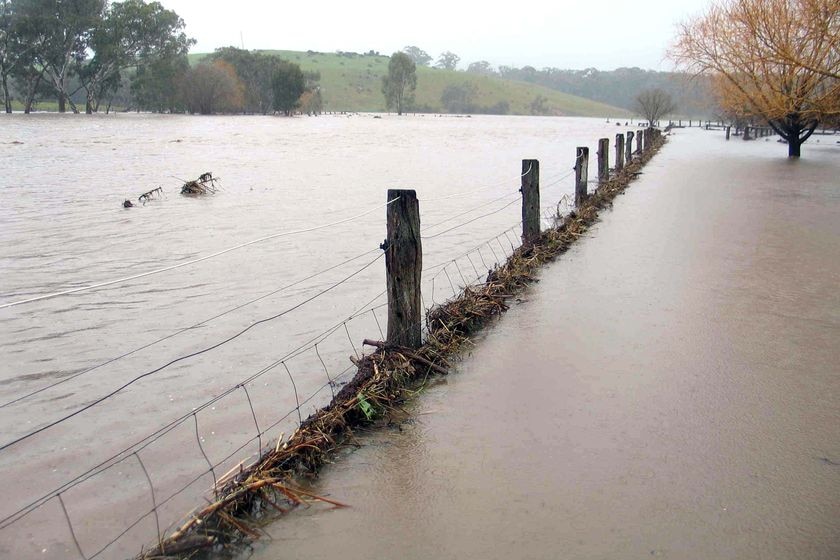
(147, 196)
(205, 184)
(384, 379)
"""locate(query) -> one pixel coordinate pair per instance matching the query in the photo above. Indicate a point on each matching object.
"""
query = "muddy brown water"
(669, 389)
(63, 179)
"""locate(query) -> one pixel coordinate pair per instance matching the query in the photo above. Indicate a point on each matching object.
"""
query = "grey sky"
(598, 33)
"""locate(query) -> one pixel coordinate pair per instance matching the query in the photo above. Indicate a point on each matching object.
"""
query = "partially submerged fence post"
(403, 265)
(603, 160)
(581, 174)
(530, 200)
(619, 152)
(629, 155)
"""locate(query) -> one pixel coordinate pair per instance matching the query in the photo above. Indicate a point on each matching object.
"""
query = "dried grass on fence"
(381, 383)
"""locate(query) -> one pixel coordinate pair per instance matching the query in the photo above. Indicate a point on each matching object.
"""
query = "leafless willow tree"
(773, 60)
(653, 104)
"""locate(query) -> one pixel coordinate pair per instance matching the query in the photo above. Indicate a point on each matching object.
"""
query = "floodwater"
(669, 389)
(63, 179)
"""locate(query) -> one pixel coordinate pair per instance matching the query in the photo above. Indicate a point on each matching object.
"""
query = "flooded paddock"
(195, 380)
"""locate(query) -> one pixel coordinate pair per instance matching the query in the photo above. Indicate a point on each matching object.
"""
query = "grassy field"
(352, 82)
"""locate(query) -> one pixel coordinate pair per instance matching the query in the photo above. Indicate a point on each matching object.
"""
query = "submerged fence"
(156, 487)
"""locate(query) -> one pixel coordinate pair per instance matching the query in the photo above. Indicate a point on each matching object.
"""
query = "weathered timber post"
(619, 152)
(581, 174)
(629, 155)
(530, 200)
(603, 160)
(747, 133)
(403, 265)
(639, 140)
(728, 129)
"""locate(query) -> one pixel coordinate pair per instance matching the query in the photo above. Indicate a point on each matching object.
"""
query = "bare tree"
(653, 104)
(773, 60)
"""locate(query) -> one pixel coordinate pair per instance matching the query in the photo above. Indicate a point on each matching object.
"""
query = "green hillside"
(352, 82)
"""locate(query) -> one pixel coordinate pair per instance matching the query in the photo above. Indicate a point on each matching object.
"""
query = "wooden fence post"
(640, 140)
(530, 200)
(629, 155)
(403, 265)
(619, 152)
(581, 174)
(747, 133)
(728, 129)
(603, 160)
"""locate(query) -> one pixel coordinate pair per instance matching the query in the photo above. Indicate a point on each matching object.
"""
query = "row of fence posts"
(403, 248)
(691, 122)
(752, 132)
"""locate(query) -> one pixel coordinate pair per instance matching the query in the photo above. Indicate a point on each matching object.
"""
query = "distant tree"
(399, 84)
(458, 98)
(256, 71)
(481, 67)
(500, 108)
(448, 60)
(132, 33)
(539, 105)
(60, 34)
(212, 88)
(155, 84)
(653, 104)
(418, 55)
(311, 102)
(288, 84)
(773, 60)
(11, 49)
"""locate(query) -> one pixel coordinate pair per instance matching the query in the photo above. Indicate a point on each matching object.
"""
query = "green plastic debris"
(366, 407)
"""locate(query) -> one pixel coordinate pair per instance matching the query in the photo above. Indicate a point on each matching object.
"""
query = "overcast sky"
(604, 34)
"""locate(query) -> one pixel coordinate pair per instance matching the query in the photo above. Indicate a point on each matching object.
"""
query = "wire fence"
(111, 505)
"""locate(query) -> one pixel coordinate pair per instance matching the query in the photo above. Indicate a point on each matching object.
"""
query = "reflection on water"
(63, 226)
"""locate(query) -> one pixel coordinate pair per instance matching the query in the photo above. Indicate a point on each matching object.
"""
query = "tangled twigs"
(408, 353)
(383, 380)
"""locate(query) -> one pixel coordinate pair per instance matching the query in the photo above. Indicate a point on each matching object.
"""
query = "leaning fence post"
(629, 155)
(530, 200)
(403, 265)
(619, 152)
(603, 160)
(581, 174)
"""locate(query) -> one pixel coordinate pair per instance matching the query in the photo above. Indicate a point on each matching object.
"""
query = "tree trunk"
(7, 101)
(62, 102)
(794, 131)
(794, 147)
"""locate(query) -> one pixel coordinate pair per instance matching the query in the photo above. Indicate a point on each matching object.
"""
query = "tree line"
(619, 88)
(90, 52)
